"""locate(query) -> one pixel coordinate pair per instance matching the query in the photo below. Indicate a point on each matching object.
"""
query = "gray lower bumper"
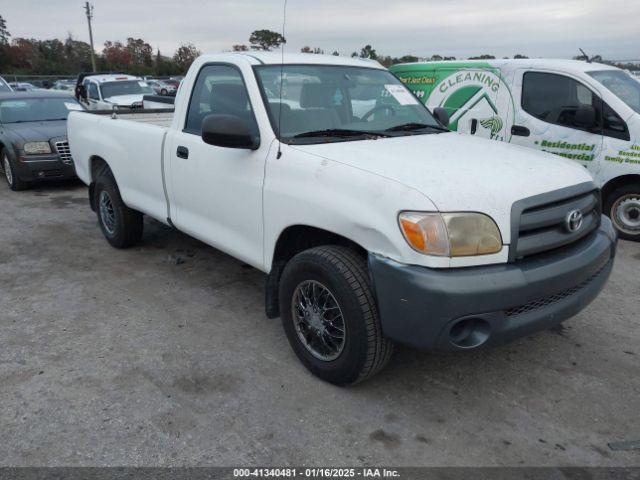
(464, 308)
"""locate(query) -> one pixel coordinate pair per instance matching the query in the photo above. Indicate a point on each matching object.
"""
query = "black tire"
(163, 91)
(343, 272)
(13, 181)
(623, 207)
(121, 226)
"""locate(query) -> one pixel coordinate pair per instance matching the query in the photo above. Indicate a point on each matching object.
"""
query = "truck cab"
(104, 92)
(586, 112)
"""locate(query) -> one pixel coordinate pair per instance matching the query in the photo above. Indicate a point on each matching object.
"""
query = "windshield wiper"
(410, 127)
(339, 132)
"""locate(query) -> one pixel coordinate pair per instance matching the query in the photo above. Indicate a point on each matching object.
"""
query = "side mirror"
(441, 115)
(585, 117)
(229, 131)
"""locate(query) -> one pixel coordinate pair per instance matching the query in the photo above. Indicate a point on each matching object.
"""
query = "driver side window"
(555, 98)
(219, 89)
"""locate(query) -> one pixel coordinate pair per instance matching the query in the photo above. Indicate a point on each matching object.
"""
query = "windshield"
(125, 87)
(36, 109)
(622, 85)
(337, 103)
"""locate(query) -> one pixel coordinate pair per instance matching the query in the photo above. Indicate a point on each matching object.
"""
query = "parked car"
(161, 87)
(103, 92)
(175, 82)
(33, 137)
(4, 86)
(587, 112)
(64, 85)
(377, 228)
(23, 87)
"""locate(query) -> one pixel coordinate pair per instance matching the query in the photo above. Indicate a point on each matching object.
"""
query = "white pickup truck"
(373, 222)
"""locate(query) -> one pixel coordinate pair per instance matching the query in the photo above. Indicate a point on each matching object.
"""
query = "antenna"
(284, 24)
(586, 57)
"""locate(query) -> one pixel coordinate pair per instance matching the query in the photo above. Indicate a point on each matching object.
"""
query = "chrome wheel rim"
(107, 215)
(7, 170)
(318, 320)
(626, 214)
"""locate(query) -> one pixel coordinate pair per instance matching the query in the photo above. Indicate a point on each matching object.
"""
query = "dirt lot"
(162, 355)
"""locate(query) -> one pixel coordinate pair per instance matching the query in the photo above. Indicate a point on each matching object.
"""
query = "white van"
(587, 112)
(103, 92)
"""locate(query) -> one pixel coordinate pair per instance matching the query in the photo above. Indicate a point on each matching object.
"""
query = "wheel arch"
(96, 165)
(291, 241)
(8, 147)
(617, 182)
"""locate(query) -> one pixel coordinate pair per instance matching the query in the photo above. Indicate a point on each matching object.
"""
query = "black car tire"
(164, 91)
(343, 272)
(121, 225)
(622, 205)
(10, 175)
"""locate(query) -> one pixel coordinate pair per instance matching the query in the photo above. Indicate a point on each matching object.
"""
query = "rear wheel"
(330, 316)
(121, 226)
(10, 174)
(623, 207)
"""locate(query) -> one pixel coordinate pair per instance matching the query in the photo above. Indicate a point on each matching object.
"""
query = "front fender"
(304, 189)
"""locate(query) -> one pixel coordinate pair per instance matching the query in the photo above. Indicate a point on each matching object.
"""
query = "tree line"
(29, 56)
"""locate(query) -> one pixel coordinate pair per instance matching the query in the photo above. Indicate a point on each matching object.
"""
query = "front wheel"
(121, 226)
(330, 316)
(10, 174)
(623, 207)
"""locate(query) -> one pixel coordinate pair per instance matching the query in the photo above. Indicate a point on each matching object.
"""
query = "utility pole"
(89, 11)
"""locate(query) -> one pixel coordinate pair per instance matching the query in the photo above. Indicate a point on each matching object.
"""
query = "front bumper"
(45, 167)
(466, 308)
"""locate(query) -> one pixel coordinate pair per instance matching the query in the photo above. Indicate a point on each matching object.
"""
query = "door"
(217, 192)
(93, 97)
(546, 117)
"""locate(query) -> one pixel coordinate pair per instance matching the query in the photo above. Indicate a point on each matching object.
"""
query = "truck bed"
(160, 118)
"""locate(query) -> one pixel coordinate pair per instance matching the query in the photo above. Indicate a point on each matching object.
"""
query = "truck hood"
(125, 100)
(459, 172)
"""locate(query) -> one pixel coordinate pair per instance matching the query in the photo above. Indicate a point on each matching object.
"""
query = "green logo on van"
(494, 124)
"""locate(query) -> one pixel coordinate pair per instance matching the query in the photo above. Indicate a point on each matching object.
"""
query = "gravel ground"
(162, 355)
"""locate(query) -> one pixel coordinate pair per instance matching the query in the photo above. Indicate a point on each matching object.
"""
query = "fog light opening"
(469, 333)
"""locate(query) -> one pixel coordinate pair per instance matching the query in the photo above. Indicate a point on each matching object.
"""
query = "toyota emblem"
(574, 220)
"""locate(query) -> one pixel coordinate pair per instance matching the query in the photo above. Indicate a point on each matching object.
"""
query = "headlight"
(36, 148)
(451, 234)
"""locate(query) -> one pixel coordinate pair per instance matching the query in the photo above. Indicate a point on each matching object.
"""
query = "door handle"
(520, 131)
(474, 126)
(182, 152)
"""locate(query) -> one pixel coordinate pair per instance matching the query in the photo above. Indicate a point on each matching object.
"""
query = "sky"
(460, 28)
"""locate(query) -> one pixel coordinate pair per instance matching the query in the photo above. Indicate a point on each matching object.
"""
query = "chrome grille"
(64, 152)
(545, 227)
